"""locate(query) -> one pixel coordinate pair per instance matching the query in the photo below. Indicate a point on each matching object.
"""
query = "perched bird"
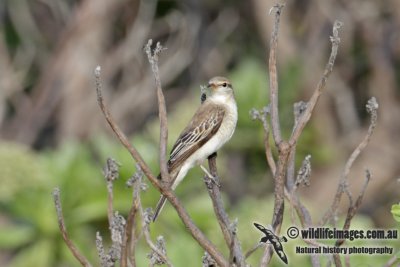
(211, 126)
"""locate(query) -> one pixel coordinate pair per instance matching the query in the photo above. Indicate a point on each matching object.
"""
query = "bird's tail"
(174, 183)
(159, 207)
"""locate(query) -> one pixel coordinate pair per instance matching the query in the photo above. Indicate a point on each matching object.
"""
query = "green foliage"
(396, 212)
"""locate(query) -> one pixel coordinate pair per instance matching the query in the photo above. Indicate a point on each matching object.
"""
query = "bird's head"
(220, 86)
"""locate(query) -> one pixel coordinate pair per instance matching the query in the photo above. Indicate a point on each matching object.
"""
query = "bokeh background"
(53, 134)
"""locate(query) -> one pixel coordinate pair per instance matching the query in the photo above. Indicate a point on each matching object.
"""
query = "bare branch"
(129, 240)
(162, 110)
(392, 260)
(283, 148)
(229, 234)
(336, 260)
(321, 85)
(351, 212)
(154, 257)
(372, 107)
(158, 255)
(298, 110)
(110, 172)
(273, 76)
(262, 116)
(208, 261)
(169, 194)
(117, 232)
(104, 261)
(120, 135)
(61, 224)
(304, 173)
(253, 249)
(305, 219)
(117, 229)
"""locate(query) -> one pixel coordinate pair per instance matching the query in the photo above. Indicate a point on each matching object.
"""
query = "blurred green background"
(53, 134)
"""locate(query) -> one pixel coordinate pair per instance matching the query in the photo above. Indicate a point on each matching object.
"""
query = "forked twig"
(298, 129)
(61, 224)
(227, 228)
(372, 108)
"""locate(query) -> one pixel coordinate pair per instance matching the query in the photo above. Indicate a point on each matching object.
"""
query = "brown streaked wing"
(204, 124)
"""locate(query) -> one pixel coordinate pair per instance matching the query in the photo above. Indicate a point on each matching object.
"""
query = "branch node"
(304, 173)
(298, 109)
(104, 260)
(233, 226)
(372, 109)
(154, 257)
(148, 216)
(336, 26)
(111, 170)
(137, 176)
(277, 8)
(61, 224)
(208, 261)
(117, 234)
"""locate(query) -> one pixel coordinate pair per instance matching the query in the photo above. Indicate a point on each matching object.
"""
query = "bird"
(210, 128)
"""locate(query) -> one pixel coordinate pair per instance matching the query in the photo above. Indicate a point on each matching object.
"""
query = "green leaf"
(396, 212)
(41, 253)
(14, 236)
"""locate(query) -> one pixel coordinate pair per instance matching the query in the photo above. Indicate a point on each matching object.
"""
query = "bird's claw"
(210, 179)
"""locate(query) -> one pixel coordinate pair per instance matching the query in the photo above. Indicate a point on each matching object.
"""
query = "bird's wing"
(204, 124)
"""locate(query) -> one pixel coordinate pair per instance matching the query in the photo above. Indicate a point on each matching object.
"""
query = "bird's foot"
(210, 179)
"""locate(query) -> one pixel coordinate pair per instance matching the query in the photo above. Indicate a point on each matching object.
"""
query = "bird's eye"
(224, 84)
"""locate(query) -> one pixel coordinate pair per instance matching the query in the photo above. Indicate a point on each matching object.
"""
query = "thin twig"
(262, 116)
(117, 229)
(120, 135)
(253, 249)
(298, 110)
(372, 107)
(128, 251)
(354, 208)
(159, 254)
(336, 260)
(305, 219)
(283, 149)
(392, 260)
(101, 251)
(111, 174)
(279, 192)
(197, 234)
(61, 224)
(273, 76)
(129, 241)
(321, 85)
(162, 110)
(222, 217)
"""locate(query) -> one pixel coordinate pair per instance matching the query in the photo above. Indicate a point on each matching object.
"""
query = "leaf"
(14, 236)
(396, 212)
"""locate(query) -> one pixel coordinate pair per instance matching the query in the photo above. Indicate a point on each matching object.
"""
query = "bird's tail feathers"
(176, 177)
(159, 207)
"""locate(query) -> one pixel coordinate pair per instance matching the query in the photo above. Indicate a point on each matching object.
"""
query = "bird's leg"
(211, 177)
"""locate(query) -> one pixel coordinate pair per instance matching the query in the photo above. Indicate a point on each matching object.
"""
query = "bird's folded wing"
(204, 124)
